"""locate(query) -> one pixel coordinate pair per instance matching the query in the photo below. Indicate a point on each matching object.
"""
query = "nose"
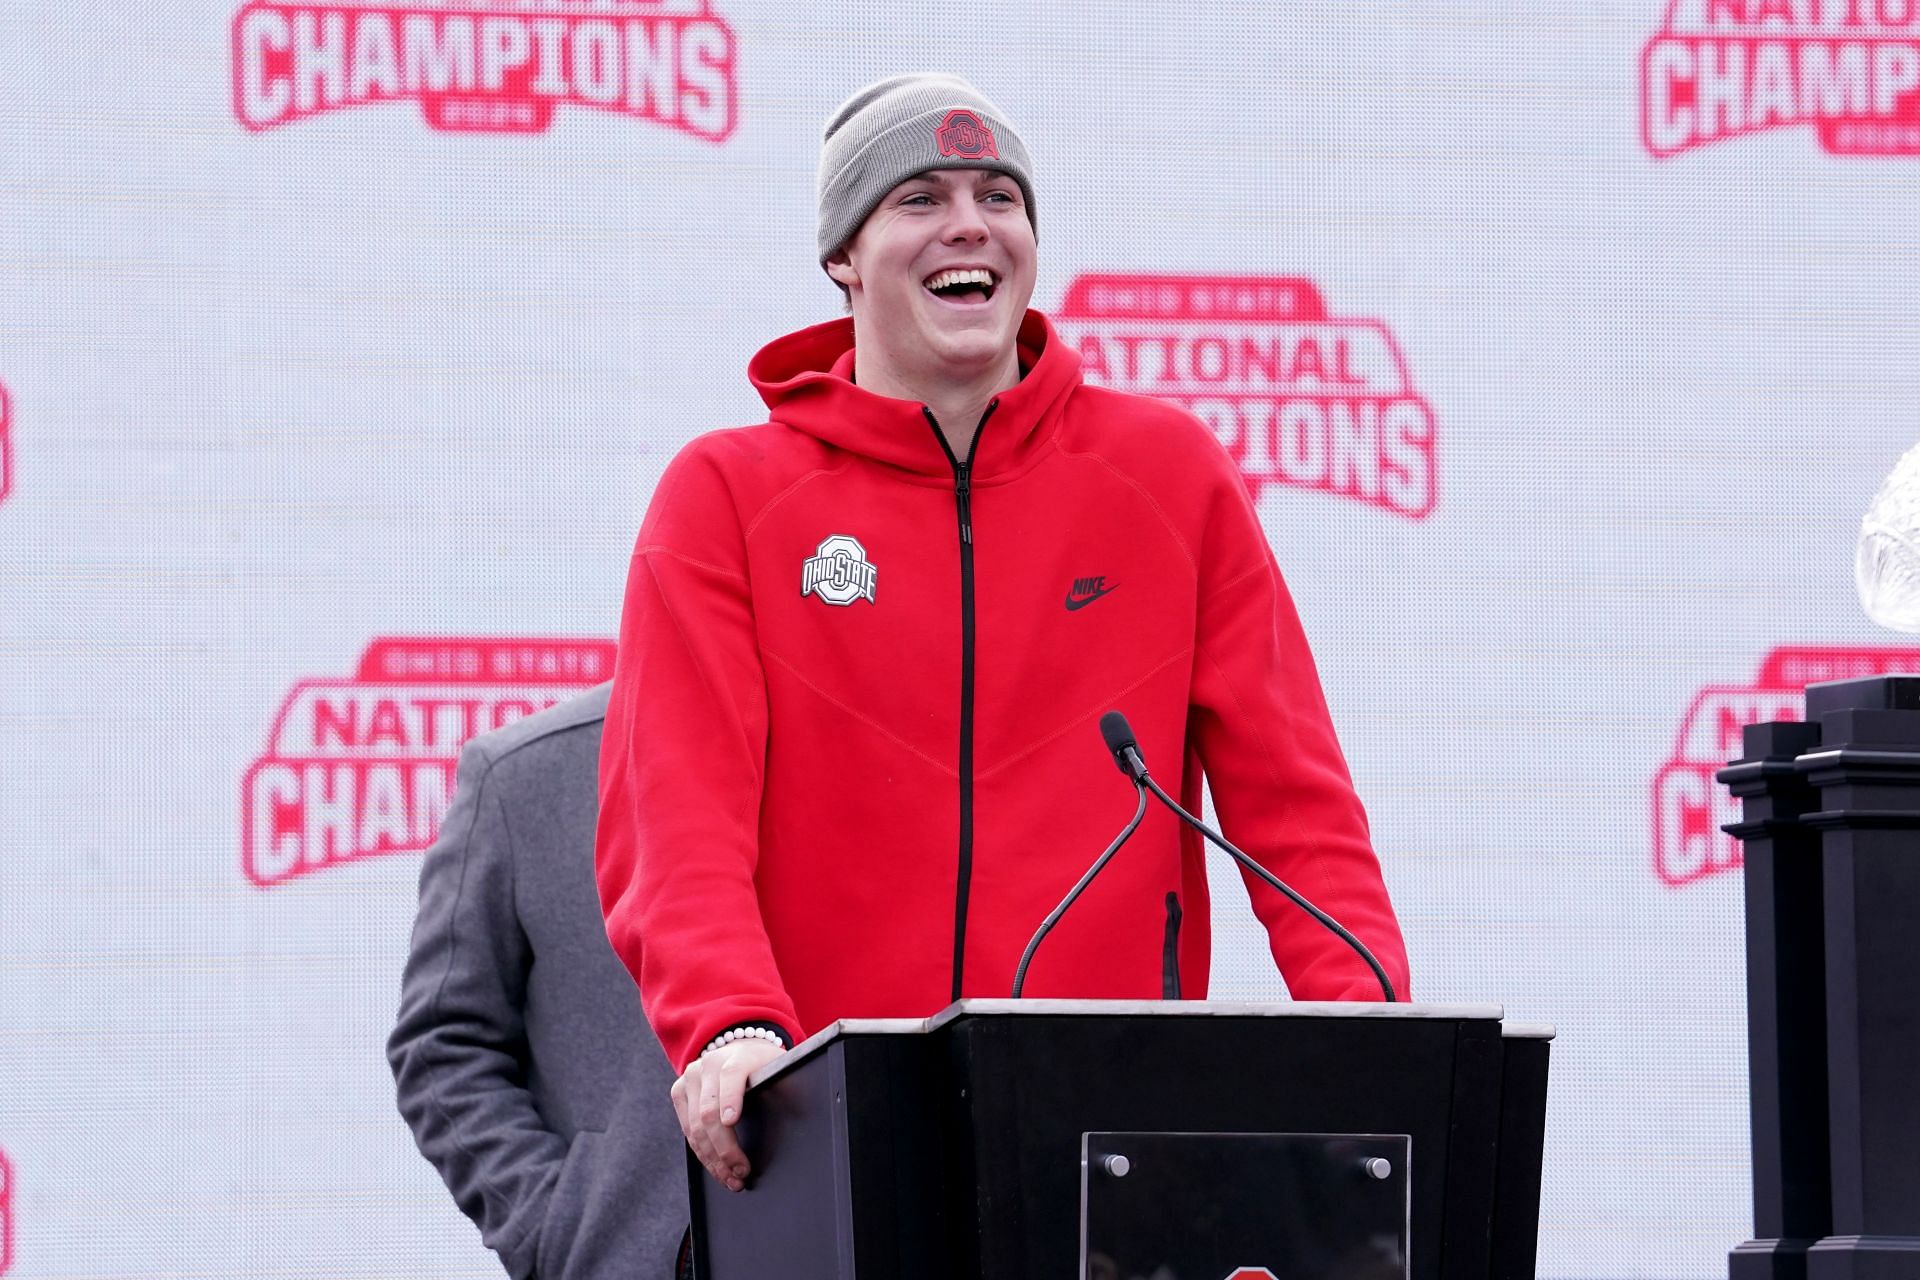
(965, 223)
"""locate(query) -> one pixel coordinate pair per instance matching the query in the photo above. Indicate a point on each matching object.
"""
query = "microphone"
(1120, 744)
(1126, 753)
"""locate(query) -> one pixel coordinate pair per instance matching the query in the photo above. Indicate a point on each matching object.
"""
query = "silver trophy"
(1886, 567)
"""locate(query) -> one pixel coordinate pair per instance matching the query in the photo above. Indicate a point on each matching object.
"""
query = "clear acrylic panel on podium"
(1205, 1206)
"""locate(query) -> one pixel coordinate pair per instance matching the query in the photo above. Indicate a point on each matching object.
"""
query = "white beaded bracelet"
(743, 1033)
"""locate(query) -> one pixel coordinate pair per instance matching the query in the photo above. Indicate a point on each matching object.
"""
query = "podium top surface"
(977, 1008)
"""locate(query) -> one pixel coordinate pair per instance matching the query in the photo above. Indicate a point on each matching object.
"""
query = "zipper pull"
(962, 485)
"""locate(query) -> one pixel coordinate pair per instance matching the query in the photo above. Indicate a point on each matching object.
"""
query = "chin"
(974, 350)
(982, 340)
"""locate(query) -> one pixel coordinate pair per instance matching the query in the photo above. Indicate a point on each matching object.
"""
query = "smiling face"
(939, 276)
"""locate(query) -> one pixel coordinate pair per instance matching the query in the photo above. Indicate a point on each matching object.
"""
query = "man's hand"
(708, 1100)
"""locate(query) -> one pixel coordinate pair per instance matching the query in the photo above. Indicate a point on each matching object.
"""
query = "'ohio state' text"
(365, 765)
(487, 65)
(1297, 397)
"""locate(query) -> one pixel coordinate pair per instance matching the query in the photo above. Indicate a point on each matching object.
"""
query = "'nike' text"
(1086, 590)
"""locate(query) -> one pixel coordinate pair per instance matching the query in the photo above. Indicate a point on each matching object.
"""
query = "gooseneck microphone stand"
(1126, 755)
(1046, 926)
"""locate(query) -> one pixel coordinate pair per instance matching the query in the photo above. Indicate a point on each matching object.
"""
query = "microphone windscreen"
(1119, 735)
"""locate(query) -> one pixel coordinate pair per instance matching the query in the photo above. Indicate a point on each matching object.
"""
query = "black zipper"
(963, 506)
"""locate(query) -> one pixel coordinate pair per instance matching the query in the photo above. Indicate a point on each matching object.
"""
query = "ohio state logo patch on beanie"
(964, 134)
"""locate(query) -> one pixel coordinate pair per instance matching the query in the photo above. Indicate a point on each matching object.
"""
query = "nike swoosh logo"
(1081, 602)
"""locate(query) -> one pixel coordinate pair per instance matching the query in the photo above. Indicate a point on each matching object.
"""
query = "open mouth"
(971, 285)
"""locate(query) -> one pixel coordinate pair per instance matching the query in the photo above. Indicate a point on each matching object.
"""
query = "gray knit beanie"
(901, 126)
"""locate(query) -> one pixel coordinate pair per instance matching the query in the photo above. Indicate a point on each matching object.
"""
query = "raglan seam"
(1105, 701)
(649, 550)
(1173, 530)
(752, 526)
(861, 716)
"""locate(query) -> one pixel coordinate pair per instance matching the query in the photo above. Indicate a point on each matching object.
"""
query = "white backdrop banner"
(343, 344)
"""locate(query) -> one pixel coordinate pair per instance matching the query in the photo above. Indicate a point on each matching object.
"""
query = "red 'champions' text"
(1297, 397)
(1721, 68)
(497, 66)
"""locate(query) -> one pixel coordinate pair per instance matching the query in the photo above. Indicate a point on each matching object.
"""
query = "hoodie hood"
(806, 378)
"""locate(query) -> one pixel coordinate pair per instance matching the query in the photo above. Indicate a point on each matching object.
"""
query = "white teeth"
(972, 275)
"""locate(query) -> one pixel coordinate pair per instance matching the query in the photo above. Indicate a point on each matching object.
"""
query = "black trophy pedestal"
(1831, 830)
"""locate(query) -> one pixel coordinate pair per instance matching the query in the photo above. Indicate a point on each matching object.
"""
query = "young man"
(851, 759)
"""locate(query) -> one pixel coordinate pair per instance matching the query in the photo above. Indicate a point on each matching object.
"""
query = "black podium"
(1111, 1139)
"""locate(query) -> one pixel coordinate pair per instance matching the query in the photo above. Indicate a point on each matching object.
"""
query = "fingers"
(689, 1093)
(709, 1099)
(722, 1089)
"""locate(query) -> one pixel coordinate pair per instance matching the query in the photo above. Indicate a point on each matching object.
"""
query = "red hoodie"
(852, 760)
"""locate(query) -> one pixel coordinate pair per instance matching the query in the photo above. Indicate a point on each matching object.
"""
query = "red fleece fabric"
(780, 776)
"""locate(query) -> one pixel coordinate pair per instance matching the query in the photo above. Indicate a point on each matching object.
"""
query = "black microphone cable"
(1126, 754)
(1046, 926)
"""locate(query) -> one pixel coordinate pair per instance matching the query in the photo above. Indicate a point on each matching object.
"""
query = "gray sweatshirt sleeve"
(459, 1050)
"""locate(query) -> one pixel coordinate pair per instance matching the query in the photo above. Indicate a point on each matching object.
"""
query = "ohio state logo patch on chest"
(839, 572)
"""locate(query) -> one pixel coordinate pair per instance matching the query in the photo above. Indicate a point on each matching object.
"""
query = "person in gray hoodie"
(523, 1061)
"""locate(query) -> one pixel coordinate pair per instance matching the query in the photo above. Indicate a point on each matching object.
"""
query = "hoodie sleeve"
(682, 767)
(1280, 784)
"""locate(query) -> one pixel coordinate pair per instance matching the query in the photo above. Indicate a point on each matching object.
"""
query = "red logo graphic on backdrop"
(6, 1213)
(487, 66)
(966, 135)
(6, 444)
(1718, 69)
(1298, 397)
(363, 765)
(1689, 807)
